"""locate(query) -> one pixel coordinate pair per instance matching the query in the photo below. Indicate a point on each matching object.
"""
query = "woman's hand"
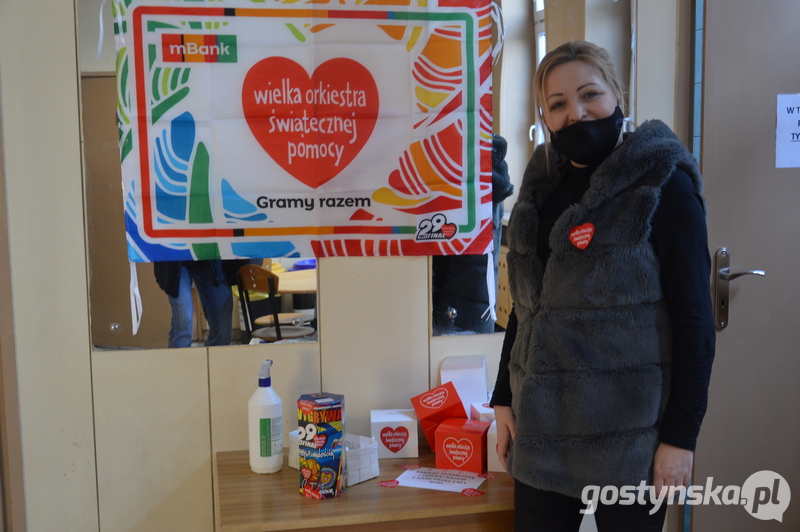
(672, 466)
(506, 431)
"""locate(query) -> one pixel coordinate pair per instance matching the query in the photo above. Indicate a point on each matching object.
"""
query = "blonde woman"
(605, 367)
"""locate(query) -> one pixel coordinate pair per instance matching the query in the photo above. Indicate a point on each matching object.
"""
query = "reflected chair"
(257, 279)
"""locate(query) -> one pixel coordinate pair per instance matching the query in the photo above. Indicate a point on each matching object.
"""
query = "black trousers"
(546, 511)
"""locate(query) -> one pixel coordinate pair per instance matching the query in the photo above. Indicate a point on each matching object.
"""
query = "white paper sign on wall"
(787, 132)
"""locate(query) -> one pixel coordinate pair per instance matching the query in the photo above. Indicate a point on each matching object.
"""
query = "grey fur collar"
(652, 143)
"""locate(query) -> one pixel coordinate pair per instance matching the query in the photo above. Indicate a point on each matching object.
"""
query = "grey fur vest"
(590, 363)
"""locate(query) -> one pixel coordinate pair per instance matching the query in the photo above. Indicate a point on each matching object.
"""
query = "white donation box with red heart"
(396, 433)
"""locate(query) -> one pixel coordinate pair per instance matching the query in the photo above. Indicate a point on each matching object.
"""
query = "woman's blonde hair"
(589, 53)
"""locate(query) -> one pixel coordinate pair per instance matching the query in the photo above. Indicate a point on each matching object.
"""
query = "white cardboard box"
(468, 375)
(294, 449)
(362, 458)
(481, 412)
(396, 433)
(492, 460)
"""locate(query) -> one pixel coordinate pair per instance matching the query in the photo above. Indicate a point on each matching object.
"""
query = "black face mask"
(589, 142)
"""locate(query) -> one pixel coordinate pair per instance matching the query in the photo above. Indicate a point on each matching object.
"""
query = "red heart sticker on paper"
(469, 492)
(319, 441)
(388, 483)
(448, 230)
(434, 399)
(394, 439)
(313, 127)
(581, 235)
(457, 451)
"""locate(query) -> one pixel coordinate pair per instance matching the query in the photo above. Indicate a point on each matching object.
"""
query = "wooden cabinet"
(153, 440)
(250, 502)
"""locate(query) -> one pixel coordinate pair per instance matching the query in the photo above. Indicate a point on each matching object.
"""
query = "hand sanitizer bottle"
(265, 425)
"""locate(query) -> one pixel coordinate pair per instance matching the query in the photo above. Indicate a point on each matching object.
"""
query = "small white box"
(361, 452)
(294, 449)
(481, 412)
(353, 478)
(492, 460)
(396, 433)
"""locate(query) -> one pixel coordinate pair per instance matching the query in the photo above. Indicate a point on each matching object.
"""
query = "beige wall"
(44, 195)
(657, 60)
(158, 415)
(12, 491)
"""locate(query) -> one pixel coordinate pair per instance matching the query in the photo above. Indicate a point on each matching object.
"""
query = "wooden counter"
(248, 502)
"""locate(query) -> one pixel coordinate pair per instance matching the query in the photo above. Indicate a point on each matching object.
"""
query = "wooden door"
(753, 419)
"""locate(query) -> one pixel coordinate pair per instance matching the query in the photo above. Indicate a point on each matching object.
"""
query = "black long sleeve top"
(679, 239)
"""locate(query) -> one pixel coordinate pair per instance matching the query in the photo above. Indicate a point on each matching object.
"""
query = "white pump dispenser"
(265, 425)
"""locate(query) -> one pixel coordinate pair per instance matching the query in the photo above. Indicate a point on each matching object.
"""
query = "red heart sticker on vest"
(581, 235)
(394, 439)
(312, 126)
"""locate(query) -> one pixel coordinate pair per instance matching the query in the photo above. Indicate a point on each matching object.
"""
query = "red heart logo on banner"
(434, 399)
(448, 230)
(457, 451)
(313, 127)
(394, 439)
(581, 235)
(319, 441)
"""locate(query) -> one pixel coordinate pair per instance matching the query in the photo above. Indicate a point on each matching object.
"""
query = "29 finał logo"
(436, 228)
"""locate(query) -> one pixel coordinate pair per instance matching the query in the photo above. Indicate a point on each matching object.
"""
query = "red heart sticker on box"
(388, 483)
(319, 441)
(457, 451)
(394, 439)
(581, 235)
(434, 398)
(469, 492)
(312, 126)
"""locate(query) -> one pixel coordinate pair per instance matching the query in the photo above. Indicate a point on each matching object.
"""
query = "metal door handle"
(722, 264)
(726, 275)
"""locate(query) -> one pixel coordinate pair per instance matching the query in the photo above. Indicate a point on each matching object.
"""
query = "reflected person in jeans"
(213, 287)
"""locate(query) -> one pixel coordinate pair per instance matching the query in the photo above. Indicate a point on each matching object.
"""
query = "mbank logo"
(177, 48)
